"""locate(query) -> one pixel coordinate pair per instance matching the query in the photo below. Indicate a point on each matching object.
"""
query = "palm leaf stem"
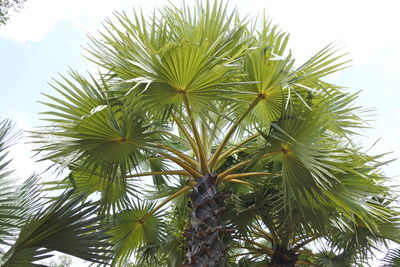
(193, 172)
(216, 156)
(242, 182)
(233, 149)
(165, 201)
(200, 147)
(186, 134)
(246, 174)
(308, 252)
(183, 140)
(178, 172)
(272, 230)
(213, 133)
(266, 249)
(179, 154)
(236, 151)
(243, 254)
(223, 174)
(204, 135)
(262, 233)
(305, 242)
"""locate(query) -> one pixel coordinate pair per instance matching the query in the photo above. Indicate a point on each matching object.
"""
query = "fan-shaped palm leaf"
(132, 229)
(30, 228)
(65, 226)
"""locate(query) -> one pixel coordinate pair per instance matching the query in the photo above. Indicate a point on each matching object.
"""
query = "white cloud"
(39, 17)
(362, 27)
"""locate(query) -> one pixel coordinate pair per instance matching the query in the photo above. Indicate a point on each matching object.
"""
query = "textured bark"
(205, 246)
(283, 258)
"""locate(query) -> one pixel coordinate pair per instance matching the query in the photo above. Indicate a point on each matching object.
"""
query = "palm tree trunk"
(283, 258)
(205, 245)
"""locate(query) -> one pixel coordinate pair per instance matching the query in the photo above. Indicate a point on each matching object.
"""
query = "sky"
(48, 36)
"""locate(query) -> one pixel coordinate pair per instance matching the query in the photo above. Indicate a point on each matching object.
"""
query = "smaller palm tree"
(269, 238)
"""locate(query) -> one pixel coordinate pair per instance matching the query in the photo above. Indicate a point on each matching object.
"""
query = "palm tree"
(31, 228)
(269, 238)
(203, 102)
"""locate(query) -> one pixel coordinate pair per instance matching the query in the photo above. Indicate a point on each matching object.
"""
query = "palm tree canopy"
(195, 91)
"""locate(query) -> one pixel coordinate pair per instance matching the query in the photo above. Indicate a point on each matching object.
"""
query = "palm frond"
(175, 55)
(10, 211)
(67, 226)
(392, 258)
(330, 259)
(132, 229)
(94, 129)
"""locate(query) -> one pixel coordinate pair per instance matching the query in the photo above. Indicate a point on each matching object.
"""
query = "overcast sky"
(47, 36)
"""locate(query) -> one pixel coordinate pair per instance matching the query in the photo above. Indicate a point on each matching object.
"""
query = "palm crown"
(208, 105)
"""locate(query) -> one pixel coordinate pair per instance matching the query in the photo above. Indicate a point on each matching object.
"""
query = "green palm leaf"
(330, 259)
(67, 226)
(192, 66)
(115, 193)
(132, 229)
(30, 228)
(392, 258)
(10, 211)
(95, 129)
